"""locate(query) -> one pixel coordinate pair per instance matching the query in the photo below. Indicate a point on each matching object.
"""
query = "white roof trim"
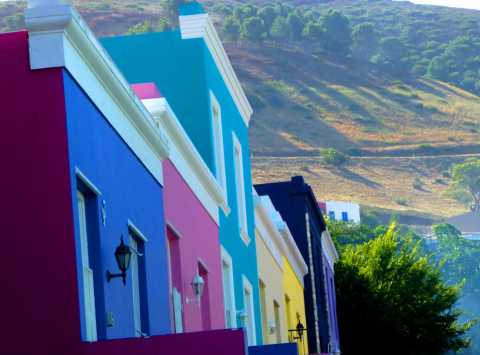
(201, 26)
(282, 238)
(268, 232)
(329, 249)
(58, 37)
(186, 158)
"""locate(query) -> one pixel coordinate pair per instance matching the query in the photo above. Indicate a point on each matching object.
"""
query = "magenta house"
(192, 198)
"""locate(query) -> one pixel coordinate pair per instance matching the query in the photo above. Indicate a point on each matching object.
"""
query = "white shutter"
(177, 310)
(87, 273)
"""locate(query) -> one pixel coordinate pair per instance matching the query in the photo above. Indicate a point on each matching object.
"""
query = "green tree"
(466, 177)
(171, 7)
(142, 27)
(279, 30)
(231, 28)
(365, 41)
(394, 55)
(388, 288)
(438, 69)
(243, 12)
(338, 33)
(253, 29)
(313, 32)
(459, 257)
(268, 15)
(295, 26)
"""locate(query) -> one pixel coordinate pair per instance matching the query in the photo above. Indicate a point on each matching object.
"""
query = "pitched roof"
(466, 223)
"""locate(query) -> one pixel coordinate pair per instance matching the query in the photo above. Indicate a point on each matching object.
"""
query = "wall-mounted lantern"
(272, 327)
(242, 317)
(300, 329)
(123, 255)
(198, 284)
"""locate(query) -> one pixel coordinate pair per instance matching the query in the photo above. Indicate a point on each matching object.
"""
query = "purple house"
(296, 203)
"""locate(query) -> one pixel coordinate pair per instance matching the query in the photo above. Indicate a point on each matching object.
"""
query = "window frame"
(137, 243)
(227, 264)
(218, 143)
(249, 308)
(240, 189)
(90, 328)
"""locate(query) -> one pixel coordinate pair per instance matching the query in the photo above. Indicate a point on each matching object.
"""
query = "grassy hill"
(403, 132)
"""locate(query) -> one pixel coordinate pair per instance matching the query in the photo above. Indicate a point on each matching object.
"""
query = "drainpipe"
(312, 280)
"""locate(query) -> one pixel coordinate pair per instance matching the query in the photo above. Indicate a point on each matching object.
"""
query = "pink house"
(192, 198)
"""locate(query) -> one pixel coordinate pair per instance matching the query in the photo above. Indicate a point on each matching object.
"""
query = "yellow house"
(281, 269)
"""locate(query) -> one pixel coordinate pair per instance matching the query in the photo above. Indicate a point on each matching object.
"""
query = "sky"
(467, 4)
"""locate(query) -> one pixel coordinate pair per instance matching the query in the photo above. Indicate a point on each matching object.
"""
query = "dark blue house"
(298, 206)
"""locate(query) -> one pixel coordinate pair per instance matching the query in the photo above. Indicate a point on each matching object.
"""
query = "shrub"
(417, 184)
(333, 157)
(402, 201)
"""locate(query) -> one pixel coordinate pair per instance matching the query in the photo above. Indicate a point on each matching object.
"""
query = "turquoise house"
(191, 68)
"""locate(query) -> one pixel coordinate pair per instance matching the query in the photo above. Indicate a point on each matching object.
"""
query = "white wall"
(352, 209)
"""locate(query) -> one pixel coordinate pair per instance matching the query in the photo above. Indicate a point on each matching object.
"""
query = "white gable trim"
(329, 249)
(276, 235)
(187, 160)
(58, 37)
(201, 26)
(267, 231)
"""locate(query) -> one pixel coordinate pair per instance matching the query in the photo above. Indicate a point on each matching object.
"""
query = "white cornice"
(329, 249)
(279, 234)
(293, 254)
(267, 231)
(186, 158)
(201, 26)
(58, 37)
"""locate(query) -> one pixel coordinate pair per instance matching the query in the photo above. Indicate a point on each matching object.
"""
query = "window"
(205, 300)
(288, 312)
(331, 215)
(228, 291)
(90, 326)
(345, 216)
(249, 312)
(175, 278)
(278, 330)
(263, 305)
(218, 143)
(139, 292)
(240, 187)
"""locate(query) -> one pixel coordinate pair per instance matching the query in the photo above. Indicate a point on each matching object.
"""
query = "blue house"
(191, 68)
(299, 208)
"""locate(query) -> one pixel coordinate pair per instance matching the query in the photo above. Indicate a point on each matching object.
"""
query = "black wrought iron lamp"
(300, 329)
(123, 255)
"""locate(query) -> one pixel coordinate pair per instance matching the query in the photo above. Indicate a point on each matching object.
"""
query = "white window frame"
(229, 301)
(218, 148)
(249, 308)
(134, 234)
(87, 273)
(240, 189)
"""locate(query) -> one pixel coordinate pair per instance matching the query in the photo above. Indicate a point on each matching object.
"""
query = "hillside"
(402, 126)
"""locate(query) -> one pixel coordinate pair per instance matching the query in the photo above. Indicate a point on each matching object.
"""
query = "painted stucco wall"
(293, 289)
(271, 274)
(39, 312)
(185, 72)
(197, 242)
(177, 67)
(130, 194)
(332, 306)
